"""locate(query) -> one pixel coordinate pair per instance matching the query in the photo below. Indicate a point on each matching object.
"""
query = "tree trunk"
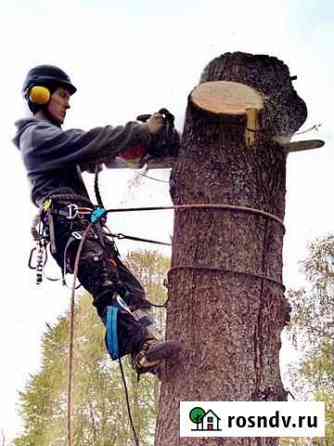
(229, 318)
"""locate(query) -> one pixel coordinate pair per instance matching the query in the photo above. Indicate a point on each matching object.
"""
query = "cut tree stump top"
(226, 98)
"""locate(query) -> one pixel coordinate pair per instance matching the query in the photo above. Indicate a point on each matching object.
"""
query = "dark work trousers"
(102, 274)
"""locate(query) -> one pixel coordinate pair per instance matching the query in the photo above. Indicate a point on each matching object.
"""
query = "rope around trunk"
(225, 270)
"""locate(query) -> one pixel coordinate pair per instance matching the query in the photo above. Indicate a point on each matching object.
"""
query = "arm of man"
(135, 153)
(47, 147)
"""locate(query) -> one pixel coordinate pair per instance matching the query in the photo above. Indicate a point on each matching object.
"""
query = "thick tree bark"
(229, 320)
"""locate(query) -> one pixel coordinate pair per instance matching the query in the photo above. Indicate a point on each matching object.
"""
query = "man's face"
(58, 104)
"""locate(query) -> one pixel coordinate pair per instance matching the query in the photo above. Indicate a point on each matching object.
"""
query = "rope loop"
(225, 270)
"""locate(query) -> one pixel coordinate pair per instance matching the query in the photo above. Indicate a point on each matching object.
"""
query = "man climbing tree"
(54, 159)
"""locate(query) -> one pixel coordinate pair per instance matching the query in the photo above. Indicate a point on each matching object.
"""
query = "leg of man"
(103, 275)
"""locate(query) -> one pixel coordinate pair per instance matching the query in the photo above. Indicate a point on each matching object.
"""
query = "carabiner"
(30, 265)
(73, 211)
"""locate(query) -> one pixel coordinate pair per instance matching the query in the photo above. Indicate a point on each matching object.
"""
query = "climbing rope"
(176, 207)
(121, 236)
(97, 188)
(134, 432)
(152, 178)
(202, 206)
(72, 317)
(71, 349)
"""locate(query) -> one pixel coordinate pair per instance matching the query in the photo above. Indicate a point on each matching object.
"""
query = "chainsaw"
(167, 142)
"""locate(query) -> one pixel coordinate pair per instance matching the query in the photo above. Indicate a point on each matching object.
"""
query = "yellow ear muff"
(39, 95)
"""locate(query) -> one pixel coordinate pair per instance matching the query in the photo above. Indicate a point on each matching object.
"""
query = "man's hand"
(155, 123)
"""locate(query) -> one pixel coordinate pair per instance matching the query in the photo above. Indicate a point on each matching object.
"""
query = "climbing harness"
(72, 211)
(44, 237)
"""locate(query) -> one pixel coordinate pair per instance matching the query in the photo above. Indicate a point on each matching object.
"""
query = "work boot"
(149, 359)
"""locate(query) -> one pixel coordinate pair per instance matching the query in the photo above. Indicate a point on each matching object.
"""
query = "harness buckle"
(73, 211)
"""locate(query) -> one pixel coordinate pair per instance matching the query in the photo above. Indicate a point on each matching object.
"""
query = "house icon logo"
(205, 421)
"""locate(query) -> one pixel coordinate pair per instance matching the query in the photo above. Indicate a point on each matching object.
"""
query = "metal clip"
(73, 211)
(53, 247)
(31, 257)
(77, 235)
(123, 305)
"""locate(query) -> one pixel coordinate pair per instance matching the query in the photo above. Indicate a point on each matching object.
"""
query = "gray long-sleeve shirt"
(53, 157)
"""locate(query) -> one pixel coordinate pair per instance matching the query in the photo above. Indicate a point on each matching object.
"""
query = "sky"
(128, 58)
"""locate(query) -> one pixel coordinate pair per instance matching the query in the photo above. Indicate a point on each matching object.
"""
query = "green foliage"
(328, 398)
(313, 308)
(312, 328)
(319, 367)
(99, 411)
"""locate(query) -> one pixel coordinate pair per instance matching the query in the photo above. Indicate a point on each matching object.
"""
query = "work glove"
(166, 141)
(155, 123)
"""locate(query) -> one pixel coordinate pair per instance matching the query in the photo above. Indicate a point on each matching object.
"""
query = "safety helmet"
(48, 76)
(41, 82)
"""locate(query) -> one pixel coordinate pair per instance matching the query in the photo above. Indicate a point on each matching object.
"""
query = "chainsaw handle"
(143, 118)
(166, 114)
